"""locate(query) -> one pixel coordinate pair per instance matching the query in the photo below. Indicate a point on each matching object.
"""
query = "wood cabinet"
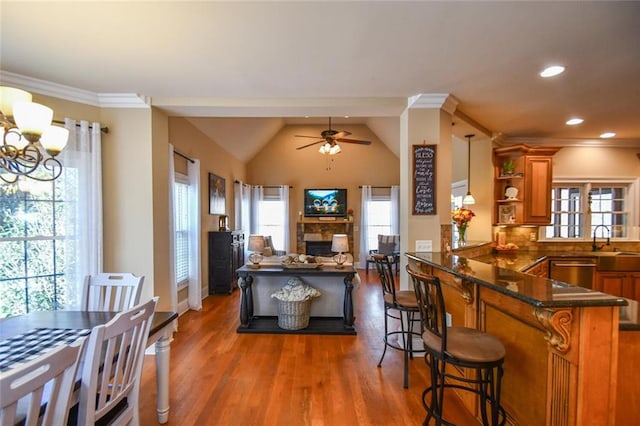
(622, 284)
(522, 194)
(226, 255)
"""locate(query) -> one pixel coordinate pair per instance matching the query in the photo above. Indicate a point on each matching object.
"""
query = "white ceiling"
(270, 62)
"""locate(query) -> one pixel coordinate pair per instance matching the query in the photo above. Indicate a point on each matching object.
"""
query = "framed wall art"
(424, 179)
(217, 194)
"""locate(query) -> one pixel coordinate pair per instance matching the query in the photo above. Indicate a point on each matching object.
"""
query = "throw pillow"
(386, 248)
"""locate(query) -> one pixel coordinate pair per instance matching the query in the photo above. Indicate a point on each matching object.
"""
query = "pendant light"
(468, 199)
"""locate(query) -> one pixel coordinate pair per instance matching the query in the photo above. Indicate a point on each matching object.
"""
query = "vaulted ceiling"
(242, 70)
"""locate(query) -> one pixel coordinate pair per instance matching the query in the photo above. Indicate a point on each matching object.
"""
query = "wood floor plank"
(220, 377)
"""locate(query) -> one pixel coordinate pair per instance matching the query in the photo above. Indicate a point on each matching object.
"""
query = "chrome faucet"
(594, 246)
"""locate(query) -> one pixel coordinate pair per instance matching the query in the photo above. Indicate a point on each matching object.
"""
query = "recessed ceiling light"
(574, 121)
(552, 71)
(606, 135)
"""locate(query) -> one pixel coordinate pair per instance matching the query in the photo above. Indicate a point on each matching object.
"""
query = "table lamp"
(339, 244)
(256, 246)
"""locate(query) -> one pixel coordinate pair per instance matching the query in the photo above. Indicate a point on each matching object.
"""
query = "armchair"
(388, 245)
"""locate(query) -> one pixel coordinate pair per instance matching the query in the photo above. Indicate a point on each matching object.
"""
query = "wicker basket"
(293, 315)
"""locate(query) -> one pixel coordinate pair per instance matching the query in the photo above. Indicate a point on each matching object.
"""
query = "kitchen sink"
(623, 261)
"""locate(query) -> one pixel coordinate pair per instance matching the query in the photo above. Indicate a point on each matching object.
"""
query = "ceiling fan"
(330, 139)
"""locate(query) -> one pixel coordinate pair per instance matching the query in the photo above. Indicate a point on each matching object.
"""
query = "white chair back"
(111, 292)
(113, 366)
(46, 381)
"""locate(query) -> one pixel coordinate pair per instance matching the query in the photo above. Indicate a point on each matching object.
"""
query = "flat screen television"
(325, 202)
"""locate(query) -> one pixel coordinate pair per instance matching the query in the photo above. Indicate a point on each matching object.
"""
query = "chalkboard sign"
(424, 179)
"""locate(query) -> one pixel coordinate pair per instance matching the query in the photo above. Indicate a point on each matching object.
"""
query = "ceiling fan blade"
(305, 136)
(341, 134)
(310, 144)
(354, 141)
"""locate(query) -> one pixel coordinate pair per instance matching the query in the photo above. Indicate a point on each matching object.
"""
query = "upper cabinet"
(522, 185)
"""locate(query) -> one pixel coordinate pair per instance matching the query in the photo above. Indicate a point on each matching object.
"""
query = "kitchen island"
(562, 341)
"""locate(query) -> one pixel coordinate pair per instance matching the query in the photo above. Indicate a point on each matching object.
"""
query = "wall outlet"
(533, 236)
(424, 245)
(448, 317)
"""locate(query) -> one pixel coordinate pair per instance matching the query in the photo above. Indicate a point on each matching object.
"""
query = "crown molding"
(443, 101)
(502, 140)
(68, 93)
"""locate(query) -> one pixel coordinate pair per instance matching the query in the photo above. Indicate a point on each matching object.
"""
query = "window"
(584, 209)
(272, 221)
(181, 223)
(378, 220)
(32, 246)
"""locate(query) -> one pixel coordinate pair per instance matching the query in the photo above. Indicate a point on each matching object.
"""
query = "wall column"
(427, 119)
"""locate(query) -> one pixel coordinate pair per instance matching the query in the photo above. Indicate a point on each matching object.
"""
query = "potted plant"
(508, 167)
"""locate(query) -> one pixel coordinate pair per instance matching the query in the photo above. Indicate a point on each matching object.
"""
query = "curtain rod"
(183, 156)
(264, 186)
(104, 129)
(377, 187)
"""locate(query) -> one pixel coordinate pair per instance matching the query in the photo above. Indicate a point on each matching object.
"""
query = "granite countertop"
(502, 273)
(523, 260)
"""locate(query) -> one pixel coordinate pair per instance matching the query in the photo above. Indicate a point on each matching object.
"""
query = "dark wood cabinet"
(226, 255)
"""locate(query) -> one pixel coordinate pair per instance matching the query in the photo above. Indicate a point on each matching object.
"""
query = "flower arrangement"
(349, 215)
(462, 216)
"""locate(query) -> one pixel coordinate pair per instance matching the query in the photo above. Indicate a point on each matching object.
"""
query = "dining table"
(23, 337)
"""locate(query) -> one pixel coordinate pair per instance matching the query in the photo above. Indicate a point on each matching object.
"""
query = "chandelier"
(29, 142)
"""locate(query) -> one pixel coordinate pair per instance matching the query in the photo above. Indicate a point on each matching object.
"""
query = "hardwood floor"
(220, 377)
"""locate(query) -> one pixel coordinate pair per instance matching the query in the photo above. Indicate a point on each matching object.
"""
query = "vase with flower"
(461, 218)
(349, 215)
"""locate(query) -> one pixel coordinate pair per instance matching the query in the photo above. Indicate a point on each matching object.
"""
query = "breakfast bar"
(561, 340)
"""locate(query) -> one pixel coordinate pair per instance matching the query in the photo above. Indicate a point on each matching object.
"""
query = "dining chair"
(112, 368)
(111, 291)
(39, 392)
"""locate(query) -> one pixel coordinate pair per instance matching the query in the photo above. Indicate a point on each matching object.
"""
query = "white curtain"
(395, 210)
(173, 286)
(81, 184)
(284, 197)
(364, 225)
(242, 198)
(195, 286)
(257, 195)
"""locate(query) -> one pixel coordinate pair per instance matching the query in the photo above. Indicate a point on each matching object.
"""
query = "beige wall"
(128, 197)
(189, 141)
(280, 163)
(160, 184)
(596, 162)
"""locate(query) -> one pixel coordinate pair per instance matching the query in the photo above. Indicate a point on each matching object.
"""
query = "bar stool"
(399, 305)
(458, 347)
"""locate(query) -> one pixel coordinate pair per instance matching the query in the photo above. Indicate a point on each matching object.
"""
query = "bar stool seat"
(400, 305)
(462, 347)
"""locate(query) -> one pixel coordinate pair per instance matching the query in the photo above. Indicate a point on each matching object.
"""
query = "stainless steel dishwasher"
(580, 272)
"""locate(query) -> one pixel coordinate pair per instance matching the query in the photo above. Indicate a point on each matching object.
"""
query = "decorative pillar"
(426, 120)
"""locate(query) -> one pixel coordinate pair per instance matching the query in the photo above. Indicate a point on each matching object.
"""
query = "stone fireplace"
(314, 236)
